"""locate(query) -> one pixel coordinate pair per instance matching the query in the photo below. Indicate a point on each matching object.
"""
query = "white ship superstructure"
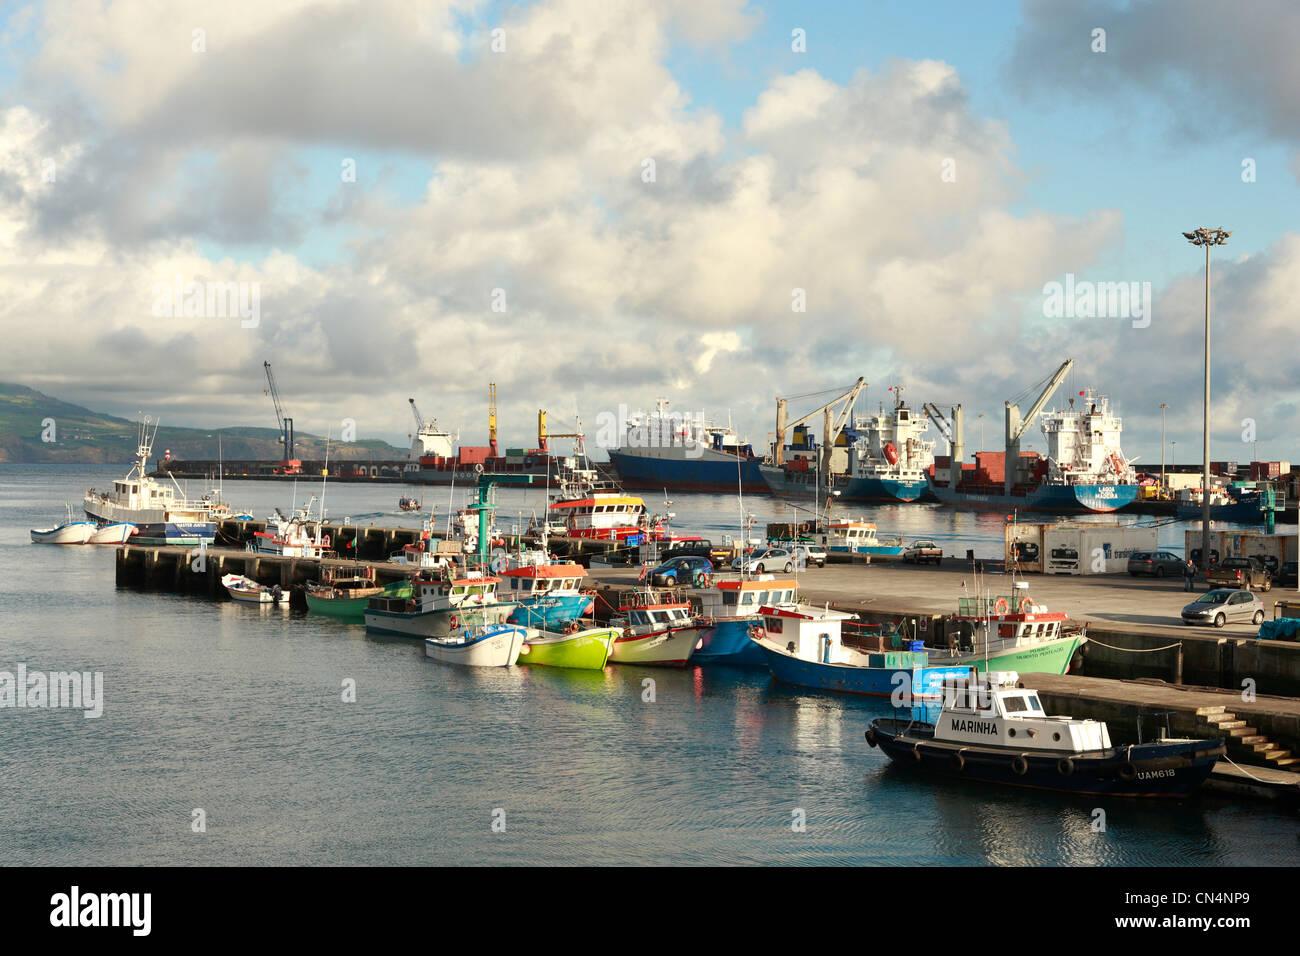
(1083, 444)
(889, 458)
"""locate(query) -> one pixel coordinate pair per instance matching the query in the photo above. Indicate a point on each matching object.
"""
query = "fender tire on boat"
(1065, 766)
(1127, 772)
(916, 752)
(871, 737)
(958, 762)
(1020, 766)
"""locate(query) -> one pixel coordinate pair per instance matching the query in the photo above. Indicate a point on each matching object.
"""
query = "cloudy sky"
(595, 204)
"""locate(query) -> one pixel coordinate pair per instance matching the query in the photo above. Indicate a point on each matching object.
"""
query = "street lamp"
(1207, 238)
(981, 418)
(1163, 406)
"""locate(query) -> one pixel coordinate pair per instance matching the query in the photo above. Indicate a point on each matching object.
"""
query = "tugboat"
(992, 730)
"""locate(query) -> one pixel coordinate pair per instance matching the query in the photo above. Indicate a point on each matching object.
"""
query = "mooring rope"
(1133, 650)
(1247, 772)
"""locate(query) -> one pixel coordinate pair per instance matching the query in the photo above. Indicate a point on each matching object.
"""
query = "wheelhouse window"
(1014, 705)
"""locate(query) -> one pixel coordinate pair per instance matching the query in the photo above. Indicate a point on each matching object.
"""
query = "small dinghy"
(478, 645)
(249, 591)
(116, 533)
(70, 532)
(992, 730)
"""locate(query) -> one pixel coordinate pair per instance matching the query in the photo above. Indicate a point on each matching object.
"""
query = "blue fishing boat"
(548, 595)
(991, 730)
(803, 646)
(729, 610)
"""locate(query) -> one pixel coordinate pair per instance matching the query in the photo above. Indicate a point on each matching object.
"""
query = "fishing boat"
(546, 594)
(292, 536)
(250, 592)
(654, 632)
(666, 450)
(419, 555)
(345, 592)
(161, 513)
(729, 609)
(478, 645)
(995, 731)
(850, 536)
(406, 503)
(889, 455)
(70, 532)
(438, 606)
(803, 645)
(116, 533)
(588, 506)
(573, 645)
(1011, 632)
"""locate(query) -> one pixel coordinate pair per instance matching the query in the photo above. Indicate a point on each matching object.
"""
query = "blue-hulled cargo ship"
(675, 452)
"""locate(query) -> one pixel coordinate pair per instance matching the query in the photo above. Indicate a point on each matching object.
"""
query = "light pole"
(1163, 406)
(981, 417)
(1207, 238)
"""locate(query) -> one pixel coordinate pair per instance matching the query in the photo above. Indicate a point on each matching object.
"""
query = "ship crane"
(285, 424)
(419, 419)
(543, 435)
(836, 415)
(1017, 426)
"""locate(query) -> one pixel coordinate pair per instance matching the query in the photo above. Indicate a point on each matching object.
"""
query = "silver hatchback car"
(1224, 606)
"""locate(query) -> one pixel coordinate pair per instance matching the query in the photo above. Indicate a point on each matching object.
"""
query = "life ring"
(571, 627)
(453, 622)
(1020, 766)
(891, 453)
(871, 735)
(1065, 766)
(1026, 604)
(958, 762)
(325, 541)
(1001, 607)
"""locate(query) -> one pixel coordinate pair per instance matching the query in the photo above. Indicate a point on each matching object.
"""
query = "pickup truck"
(923, 552)
(1247, 573)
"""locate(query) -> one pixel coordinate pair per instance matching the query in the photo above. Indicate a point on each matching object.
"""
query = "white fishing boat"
(664, 634)
(439, 607)
(161, 513)
(249, 591)
(478, 645)
(116, 533)
(70, 532)
(296, 536)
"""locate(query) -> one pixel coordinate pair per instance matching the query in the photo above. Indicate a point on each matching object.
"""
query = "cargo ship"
(435, 459)
(666, 451)
(1084, 470)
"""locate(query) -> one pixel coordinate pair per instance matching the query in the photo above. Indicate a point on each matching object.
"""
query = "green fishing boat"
(580, 648)
(345, 592)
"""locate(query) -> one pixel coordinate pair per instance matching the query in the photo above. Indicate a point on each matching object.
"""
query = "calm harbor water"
(238, 711)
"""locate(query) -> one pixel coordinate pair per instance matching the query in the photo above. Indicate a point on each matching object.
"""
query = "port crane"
(951, 430)
(543, 435)
(1017, 426)
(836, 413)
(290, 465)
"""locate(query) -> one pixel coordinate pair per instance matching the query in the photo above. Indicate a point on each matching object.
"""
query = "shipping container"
(1272, 549)
(1076, 548)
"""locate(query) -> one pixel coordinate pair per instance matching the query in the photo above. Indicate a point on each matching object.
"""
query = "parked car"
(1248, 573)
(1155, 563)
(688, 549)
(1223, 606)
(810, 554)
(682, 570)
(1286, 575)
(923, 552)
(764, 560)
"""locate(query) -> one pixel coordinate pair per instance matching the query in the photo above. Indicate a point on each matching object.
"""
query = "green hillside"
(83, 436)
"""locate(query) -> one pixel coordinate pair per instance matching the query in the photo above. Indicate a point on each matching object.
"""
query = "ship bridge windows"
(1014, 704)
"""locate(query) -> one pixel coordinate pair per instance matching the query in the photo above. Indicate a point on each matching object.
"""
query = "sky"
(595, 205)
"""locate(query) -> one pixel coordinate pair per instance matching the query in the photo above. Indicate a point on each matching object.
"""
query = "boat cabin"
(541, 579)
(644, 618)
(993, 711)
(809, 633)
(850, 535)
(1015, 618)
(743, 598)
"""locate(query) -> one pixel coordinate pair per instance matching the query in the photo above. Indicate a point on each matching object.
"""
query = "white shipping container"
(1094, 549)
(1272, 549)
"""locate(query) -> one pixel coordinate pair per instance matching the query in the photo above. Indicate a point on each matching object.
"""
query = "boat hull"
(799, 484)
(1047, 657)
(668, 468)
(583, 650)
(74, 532)
(726, 641)
(551, 611)
(352, 608)
(1056, 499)
(854, 679)
(1162, 769)
(499, 649)
(117, 533)
(884, 490)
(671, 647)
(425, 624)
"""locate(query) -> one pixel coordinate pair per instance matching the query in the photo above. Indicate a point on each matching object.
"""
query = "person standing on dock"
(1189, 575)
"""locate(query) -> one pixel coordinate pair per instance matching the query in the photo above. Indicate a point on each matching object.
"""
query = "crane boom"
(840, 417)
(1016, 426)
(932, 412)
(419, 419)
(285, 423)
